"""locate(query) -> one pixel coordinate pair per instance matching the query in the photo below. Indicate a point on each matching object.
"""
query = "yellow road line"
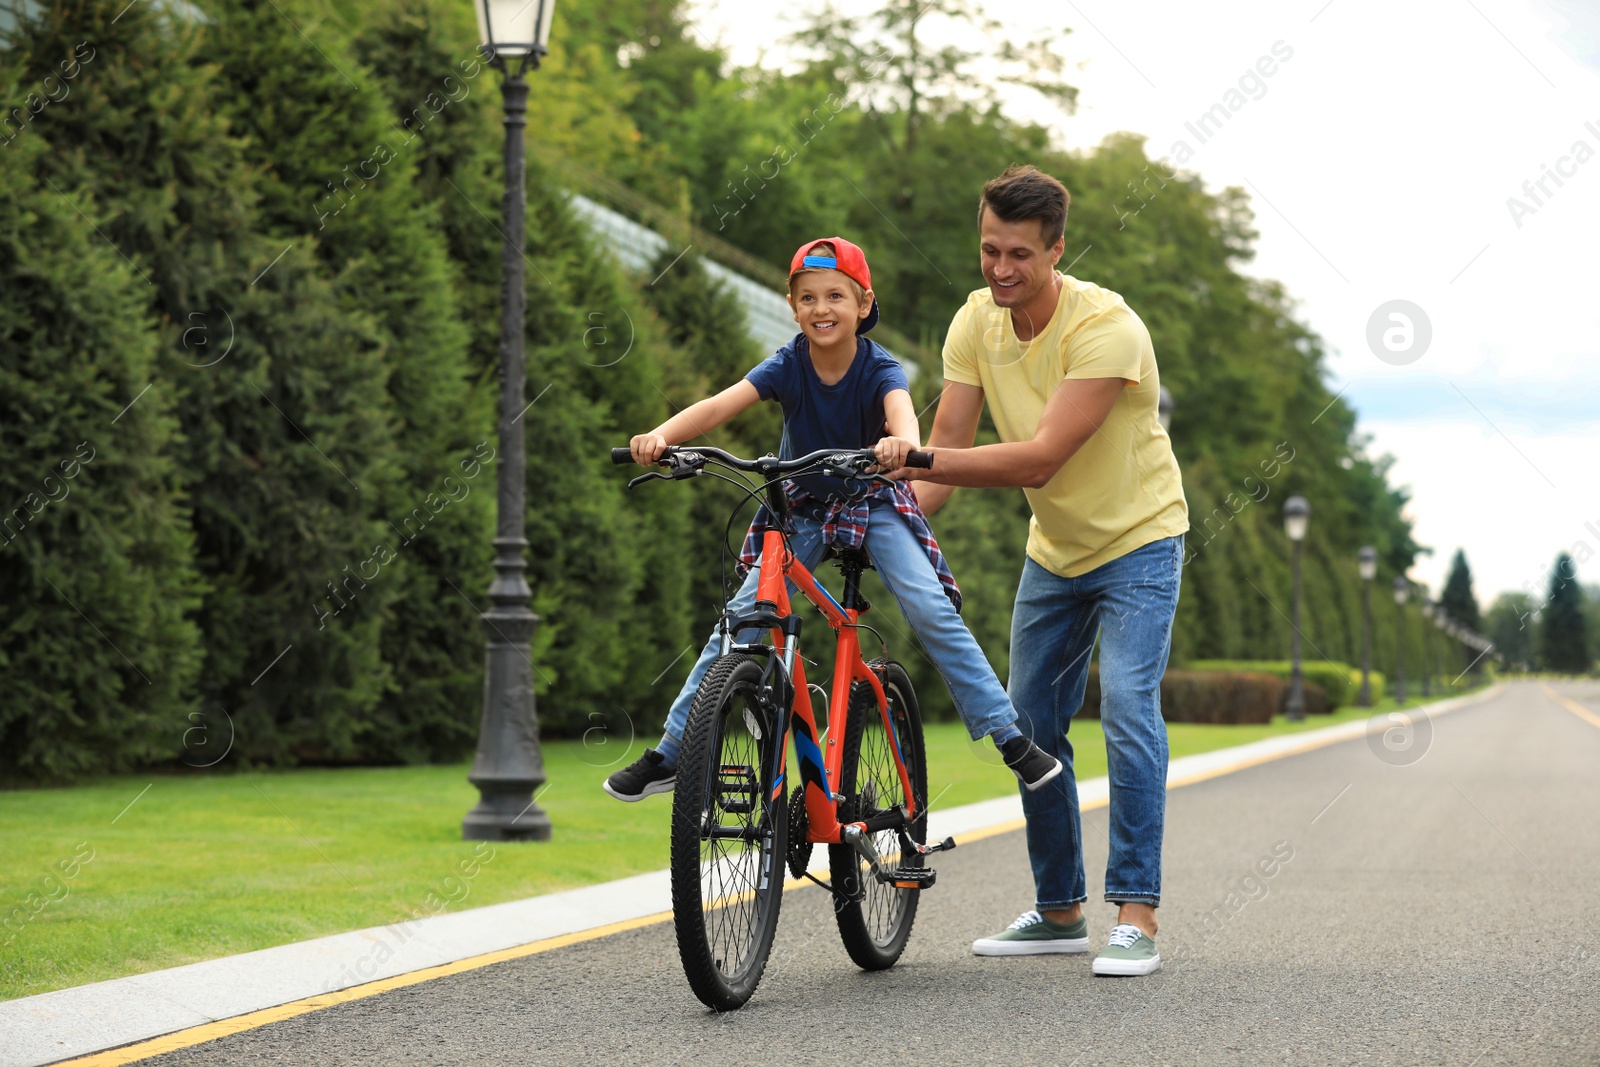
(1571, 705)
(212, 1031)
(199, 1035)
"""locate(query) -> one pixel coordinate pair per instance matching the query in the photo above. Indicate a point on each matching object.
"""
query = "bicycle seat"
(856, 557)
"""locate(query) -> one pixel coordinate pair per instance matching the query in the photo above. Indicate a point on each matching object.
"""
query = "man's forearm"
(1024, 463)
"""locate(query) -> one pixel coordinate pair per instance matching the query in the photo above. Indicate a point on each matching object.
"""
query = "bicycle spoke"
(881, 791)
(731, 867)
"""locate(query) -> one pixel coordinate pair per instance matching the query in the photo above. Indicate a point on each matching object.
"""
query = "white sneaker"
(1130, 952)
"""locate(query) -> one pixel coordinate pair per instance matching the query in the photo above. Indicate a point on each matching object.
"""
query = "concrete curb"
(105, 1015)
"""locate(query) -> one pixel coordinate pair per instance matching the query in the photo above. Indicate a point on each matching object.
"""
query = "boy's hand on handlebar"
(647, 448)
(891, 452)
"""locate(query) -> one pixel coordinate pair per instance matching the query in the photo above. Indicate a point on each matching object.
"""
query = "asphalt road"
(1439, 908)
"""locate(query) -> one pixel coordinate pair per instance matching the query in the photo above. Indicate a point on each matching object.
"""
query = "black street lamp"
(1296, 516)
(1368, 563)
(1402, 588)
(1428, 664)
(1164, 408)
(508, 765)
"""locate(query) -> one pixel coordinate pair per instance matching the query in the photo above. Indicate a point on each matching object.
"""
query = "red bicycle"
(862, 785)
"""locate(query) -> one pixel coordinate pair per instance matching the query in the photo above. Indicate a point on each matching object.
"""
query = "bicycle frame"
(818, 772)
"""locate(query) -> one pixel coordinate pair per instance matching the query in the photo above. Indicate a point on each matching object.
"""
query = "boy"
(840, 390)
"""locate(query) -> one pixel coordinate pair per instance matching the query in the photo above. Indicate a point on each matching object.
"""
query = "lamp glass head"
(1368, 562)
(1402, 589)
(514, 27)
(1296, 516)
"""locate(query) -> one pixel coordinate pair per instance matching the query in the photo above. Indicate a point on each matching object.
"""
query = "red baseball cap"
(849, 260)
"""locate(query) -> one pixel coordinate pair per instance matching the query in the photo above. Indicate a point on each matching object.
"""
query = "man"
(1069, 374)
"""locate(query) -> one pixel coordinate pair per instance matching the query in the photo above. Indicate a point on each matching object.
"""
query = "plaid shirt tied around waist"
(845, 526)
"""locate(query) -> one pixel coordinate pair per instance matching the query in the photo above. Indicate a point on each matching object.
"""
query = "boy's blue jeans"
(1129, 603)
(904, 566)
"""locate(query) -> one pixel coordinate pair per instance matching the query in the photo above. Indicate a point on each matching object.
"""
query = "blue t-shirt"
(846, 414)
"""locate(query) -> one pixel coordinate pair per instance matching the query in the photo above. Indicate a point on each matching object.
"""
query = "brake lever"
(647, 477)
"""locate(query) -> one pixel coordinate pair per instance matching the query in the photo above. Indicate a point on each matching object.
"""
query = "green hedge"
(1217, 697)
(1340, 683)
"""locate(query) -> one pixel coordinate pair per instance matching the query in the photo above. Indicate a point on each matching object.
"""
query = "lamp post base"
(509, 767)
(506, 813)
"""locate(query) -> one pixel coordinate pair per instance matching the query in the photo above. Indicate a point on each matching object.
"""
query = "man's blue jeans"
(903, 564)
(1129, 603)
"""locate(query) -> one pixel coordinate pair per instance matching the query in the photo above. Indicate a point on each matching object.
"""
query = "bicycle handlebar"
(768, 465)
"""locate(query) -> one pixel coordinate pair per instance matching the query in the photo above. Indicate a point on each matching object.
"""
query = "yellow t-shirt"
(1122, 489)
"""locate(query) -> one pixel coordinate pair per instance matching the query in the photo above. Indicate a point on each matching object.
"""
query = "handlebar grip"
(619, 456)
(920, 459)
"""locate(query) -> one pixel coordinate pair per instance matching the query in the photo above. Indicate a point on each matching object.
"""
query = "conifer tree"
(97, 657)
(338, 151)
(1564, 639)
(280, 387)
(1457, 598)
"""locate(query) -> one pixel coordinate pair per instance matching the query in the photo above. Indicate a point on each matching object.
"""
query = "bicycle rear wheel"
(875, 919)
(730, 832)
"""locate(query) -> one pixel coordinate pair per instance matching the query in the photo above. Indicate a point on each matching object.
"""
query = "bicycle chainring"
(799, 826)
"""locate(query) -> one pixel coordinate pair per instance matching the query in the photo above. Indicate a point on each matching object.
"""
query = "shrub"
(1339, 682)
(1216, 697)
(1376, 679)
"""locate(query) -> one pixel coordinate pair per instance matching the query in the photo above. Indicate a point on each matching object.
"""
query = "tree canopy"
(268, 236)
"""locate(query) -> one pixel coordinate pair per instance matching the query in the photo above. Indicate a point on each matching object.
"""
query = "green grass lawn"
(200, 865)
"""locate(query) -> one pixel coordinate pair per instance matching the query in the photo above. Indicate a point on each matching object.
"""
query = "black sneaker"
(643, 777)
(1030, 763)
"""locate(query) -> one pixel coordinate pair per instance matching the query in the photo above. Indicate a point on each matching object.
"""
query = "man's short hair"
(1025, 192)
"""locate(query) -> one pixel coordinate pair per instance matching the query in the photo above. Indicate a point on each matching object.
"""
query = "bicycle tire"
(875, 919)
(726, 892)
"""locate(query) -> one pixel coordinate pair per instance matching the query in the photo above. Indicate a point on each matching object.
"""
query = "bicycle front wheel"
(730, 830)
(875, 919)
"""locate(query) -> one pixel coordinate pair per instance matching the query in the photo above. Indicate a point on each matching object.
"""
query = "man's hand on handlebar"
(647, 448)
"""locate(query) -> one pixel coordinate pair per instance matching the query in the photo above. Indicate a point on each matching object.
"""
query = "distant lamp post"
(1164, 409)
(1368, 563)
(1296, 516)
(1402, 589)
(508, 766)
(1428, 664)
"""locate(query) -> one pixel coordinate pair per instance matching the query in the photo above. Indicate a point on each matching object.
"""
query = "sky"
(1382, 155)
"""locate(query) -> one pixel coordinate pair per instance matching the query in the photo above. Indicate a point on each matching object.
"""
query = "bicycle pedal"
(909, 877)
(943, 846)
(736, 789)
